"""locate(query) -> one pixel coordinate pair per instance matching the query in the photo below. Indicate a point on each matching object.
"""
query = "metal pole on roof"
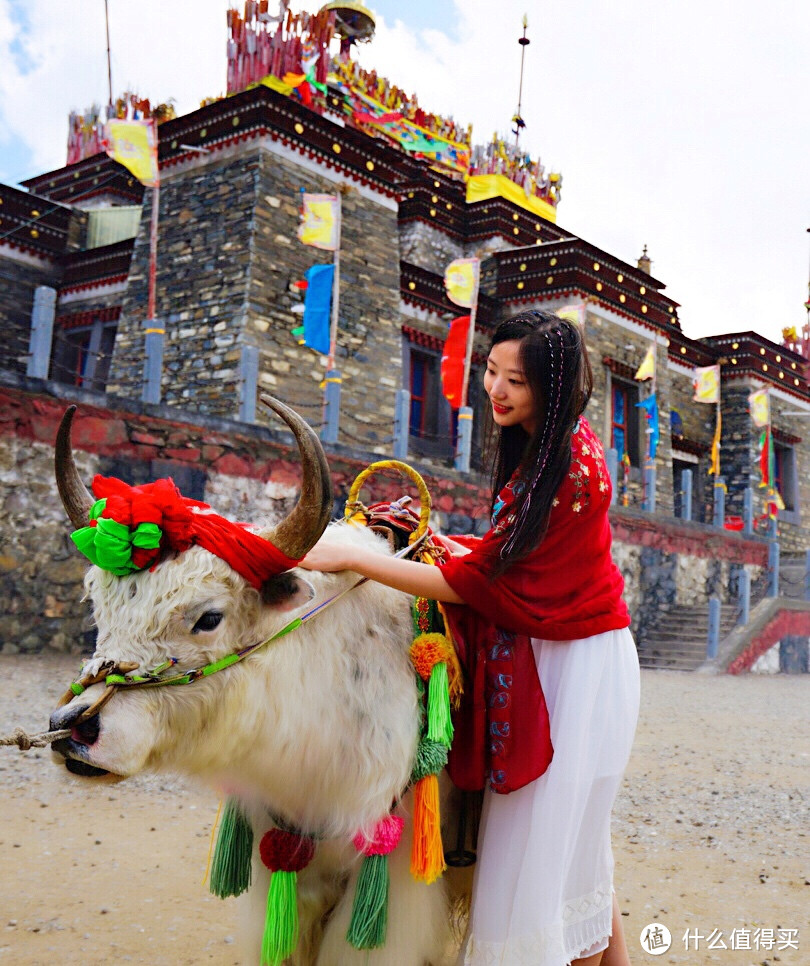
(109, 63)
(524, 43)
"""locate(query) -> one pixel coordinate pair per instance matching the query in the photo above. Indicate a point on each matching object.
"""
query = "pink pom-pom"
(387, 834)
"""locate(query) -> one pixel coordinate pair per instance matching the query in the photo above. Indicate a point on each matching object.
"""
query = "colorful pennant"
(134, 144)
(647, 368)
(452, 365)
(319, 221)
(461, 281)
(707, 384)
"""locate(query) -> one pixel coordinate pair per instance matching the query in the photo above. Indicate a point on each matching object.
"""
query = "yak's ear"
(287, 591)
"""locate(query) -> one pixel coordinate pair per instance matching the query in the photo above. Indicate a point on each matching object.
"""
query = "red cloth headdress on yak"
(131, 526)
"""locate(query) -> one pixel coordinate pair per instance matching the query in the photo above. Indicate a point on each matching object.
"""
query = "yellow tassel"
(427, 853)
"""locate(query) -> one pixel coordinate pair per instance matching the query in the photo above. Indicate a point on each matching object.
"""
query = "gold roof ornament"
(353, 21)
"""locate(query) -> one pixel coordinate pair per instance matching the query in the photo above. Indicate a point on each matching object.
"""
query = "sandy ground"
(710, 833)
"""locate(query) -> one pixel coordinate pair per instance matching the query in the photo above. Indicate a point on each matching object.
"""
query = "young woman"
(552, 670)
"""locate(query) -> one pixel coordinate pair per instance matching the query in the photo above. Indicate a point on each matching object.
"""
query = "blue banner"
(318, 306)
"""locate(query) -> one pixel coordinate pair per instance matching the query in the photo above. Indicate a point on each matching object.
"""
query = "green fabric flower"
(109, 544)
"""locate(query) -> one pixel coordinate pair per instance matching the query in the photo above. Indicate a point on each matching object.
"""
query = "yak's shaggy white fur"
(318, 729)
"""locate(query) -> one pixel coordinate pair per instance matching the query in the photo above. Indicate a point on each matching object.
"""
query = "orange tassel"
(427, 852)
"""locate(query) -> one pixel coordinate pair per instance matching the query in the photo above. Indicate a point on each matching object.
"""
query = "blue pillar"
(649, 488)
(719, 501)
(613, 470)
(773, 568)
(402, 424)
(713, 638)
(748, 511)
(464, 439)
(153, 361)
(329, 433)
(248, 383)
(39, 343)
(744, 585)
(686, 495)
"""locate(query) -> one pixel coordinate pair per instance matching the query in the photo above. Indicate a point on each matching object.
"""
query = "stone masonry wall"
(740, 461)
(428, 247)
(606, 338)
(369, 355)
(19, 277)
(203, 266)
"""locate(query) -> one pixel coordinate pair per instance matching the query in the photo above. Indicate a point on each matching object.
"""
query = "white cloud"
(680, 124)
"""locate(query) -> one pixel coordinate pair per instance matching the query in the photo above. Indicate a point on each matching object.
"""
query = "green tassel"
(230, 866)
(281, 922)
(440, 727)
(431, 757)
(370, 909)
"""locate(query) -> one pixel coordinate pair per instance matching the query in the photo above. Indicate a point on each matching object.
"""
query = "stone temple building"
(74, 248)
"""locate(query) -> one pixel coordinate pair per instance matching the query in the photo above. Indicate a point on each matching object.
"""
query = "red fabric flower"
(284, 851)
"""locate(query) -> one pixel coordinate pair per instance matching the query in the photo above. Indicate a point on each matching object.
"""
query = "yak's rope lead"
(25, 741)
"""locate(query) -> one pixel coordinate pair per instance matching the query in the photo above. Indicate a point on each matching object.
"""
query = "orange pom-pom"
(427, 651)
(427, 852)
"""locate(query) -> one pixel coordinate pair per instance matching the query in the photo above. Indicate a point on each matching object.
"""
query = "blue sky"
(681, 125)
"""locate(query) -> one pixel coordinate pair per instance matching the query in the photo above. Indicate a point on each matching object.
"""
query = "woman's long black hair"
(555, 365)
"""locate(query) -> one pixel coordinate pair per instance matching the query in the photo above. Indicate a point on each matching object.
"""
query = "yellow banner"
(647, 368)
(482, 187)
(714, 467)
(319, 221)
(461, 281)
(573, 313)
(760, 407)
(707, 384)
(134, 144)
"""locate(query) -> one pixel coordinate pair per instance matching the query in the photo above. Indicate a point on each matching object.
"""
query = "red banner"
(452, 369)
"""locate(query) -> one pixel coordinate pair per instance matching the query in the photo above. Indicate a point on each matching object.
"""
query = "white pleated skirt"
(543, 887)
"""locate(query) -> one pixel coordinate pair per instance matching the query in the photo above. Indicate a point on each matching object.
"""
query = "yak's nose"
(66, 717)
(81, 732)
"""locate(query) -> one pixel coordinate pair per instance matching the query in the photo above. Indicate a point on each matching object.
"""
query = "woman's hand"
(454, 548)
(328, 557)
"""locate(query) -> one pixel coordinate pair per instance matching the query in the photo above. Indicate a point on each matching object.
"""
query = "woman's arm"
(420, 580)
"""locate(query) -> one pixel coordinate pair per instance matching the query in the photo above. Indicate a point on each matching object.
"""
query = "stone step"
(668, 663)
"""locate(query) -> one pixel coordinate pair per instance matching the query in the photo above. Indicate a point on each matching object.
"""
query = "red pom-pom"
(285, 851)
(387, 834)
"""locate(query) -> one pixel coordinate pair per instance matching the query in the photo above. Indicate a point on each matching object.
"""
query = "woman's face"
(507, 388)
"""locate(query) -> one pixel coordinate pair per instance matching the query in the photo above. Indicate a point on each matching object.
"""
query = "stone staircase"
(677, 640)
(791, 577)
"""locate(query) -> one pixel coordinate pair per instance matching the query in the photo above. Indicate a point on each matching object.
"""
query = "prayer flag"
(317, 307)
(573, 313)
(453, 356)
(767, 459)
(759, 406)
(134, 144)
(461, 281)
(319, 221)
(707, 384)
(647, 368)
(650, 407)
(714, 467)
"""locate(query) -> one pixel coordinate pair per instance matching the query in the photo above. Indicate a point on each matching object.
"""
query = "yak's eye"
(208, 622)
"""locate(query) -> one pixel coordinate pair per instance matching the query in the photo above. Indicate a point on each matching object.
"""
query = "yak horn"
(75, 497)
(299, 532)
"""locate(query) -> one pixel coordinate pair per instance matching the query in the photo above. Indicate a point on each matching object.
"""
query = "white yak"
(317, 730)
